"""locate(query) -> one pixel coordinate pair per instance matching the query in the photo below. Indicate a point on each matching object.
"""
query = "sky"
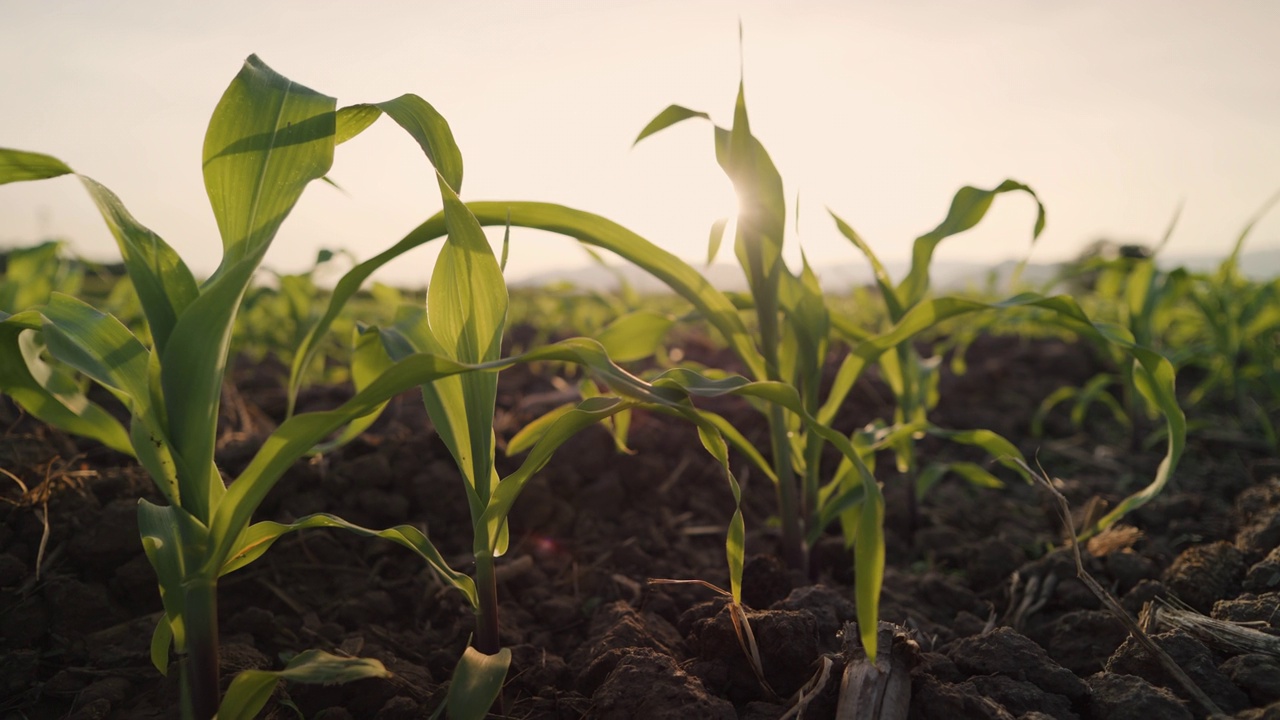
(1115, 113)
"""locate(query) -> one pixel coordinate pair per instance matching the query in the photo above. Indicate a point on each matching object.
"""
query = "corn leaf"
(368, 360)
(477, 680)
(47, 391)
(251, 689)
(164, 285)
(99, 346)
(715, 239)
(635, 336)
(353, 120)
(432, 134)
(32, 274)
(467, 297)
(466, 306)
(533, 430)
(268, 138)
(1232, 261)
(968, 207)
(762, 212)
(21, 165)
(259, 537)
(883, 280)
(999, 448)
(809, 322)
(665, 119)
(868, 564)
(160, 528)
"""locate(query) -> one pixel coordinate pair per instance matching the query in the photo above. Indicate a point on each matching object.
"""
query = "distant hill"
(1256, 265)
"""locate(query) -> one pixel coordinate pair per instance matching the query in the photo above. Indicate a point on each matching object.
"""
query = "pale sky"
(1113, 111)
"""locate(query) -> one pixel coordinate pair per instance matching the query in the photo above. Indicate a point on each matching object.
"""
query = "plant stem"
(200, 682)
(793, 551)
(486, 640)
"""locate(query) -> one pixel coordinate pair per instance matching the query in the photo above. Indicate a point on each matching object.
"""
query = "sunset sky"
(1114, 112)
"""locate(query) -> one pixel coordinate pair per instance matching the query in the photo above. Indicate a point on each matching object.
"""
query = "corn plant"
(1234, 330)
(1127, 287)
(267, 140)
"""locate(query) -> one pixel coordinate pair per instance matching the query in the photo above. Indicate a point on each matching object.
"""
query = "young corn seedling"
(1234, 324)
(267, 140)
(1128, 289)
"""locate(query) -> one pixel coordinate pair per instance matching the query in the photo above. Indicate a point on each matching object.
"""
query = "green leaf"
(259, 537)
(160, 528)
(161, 638)
(762, 213)
(976, 475)
(20, 165)
(368, 360)
(535, 429)
(32, 274)
(353, 120)
(268, 138)
(665, 119)
(717, 237)
(844, 497)
(467, 311)
(809, 324)
(432, 134)
(164, 285)
(635, 336)
(467, 297)
(47, 391)
(868, 562)
(968, 207)
(999, 448)
(250, 690)
(477, 680)
(883, 281)
(1232, 261)
(101, 347)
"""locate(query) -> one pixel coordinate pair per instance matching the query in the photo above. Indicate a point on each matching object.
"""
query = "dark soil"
(998, 624)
